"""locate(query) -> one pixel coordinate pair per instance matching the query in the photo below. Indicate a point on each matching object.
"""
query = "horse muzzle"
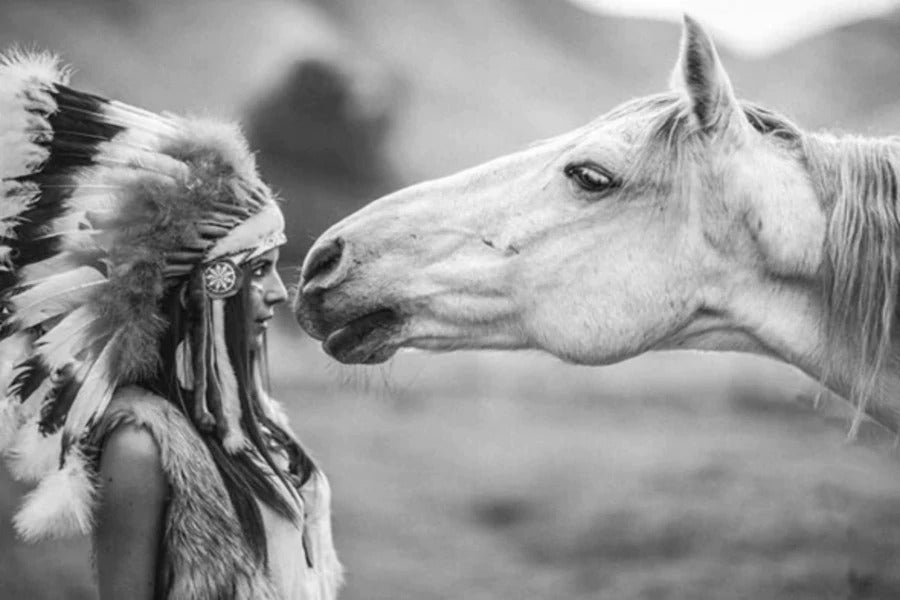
(349, 333)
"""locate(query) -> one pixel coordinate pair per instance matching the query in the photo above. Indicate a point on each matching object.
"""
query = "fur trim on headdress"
(104, 207)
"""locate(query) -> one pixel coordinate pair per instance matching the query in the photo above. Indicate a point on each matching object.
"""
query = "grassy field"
(489, 476)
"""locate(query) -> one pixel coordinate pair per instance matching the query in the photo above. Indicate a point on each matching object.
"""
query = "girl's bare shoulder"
(130, 445)
(130, 458)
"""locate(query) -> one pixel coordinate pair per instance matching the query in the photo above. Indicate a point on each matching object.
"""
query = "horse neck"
(858, 181)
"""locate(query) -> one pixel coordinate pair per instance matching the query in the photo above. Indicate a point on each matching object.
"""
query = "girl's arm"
(133, 495)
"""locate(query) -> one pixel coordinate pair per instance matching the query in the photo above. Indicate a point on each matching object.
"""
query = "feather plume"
(15, 198)
(59, 401)
(25, 65)
(59, 346)
(62, 504)
(94, 396)
(31, 406)
(25, 103)
(33, 455)
(26, 377)
(87, 198)
(54, 295)
(57, 263)
(139, 145)
(13, 350)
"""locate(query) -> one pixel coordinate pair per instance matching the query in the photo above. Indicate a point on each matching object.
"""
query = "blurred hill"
(847, 78)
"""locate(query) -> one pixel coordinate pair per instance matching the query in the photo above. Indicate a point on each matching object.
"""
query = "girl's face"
(266, 291)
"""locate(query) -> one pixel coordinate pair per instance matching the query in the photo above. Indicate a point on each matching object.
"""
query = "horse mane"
(856, 181)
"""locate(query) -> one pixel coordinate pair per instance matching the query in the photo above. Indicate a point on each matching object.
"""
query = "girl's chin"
(257, 339)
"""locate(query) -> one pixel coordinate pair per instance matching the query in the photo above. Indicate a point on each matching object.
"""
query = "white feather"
(62, 504)
(48, 267)
(117, 179)
(95, 393)
(15, 198)
(94, 200)
(55, 295)
(130, 144)
(33, 455)
(6, 260)
(13, 350)
(32, 404)
(159, 125)
(24, 104)
(30, 454)
(44, 67)
(60, 345)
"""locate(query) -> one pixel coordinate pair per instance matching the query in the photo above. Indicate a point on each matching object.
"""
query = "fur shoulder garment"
(199, 515)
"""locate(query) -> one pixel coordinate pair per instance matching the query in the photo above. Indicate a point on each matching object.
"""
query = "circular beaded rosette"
(221, 279)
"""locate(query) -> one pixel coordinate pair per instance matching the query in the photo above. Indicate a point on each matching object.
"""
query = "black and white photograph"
(449, 300)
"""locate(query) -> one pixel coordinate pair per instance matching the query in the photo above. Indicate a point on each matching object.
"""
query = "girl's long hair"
(247, 480)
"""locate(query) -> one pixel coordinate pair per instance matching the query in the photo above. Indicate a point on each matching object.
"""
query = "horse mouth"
(364, 340)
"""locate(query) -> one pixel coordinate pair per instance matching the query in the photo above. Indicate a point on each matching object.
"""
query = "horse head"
(686, 219)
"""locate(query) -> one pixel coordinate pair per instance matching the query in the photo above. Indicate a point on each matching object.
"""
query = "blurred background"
(493, 475)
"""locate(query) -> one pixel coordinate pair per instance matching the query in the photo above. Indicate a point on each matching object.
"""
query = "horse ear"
(700, 75)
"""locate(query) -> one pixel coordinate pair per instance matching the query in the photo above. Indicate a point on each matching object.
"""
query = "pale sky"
(751, 27)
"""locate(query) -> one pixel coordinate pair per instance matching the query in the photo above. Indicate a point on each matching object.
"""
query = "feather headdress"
(105, 207)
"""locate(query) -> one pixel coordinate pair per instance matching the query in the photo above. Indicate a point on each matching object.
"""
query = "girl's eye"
(260, 270)
(590, 177)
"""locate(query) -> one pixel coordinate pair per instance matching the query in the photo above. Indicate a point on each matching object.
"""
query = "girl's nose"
(276, 293)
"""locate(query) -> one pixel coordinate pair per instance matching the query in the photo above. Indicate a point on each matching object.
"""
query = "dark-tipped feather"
(29, 375)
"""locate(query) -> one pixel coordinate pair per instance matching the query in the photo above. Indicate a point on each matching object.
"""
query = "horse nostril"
(322, 264)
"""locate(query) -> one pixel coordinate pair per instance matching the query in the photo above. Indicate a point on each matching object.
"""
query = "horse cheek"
(790, 233)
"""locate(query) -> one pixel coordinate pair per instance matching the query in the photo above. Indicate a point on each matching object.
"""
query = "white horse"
(686, 219)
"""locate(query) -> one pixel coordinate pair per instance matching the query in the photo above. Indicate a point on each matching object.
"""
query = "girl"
(139, 277)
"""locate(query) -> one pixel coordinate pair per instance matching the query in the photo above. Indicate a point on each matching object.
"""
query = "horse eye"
(590, 178)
